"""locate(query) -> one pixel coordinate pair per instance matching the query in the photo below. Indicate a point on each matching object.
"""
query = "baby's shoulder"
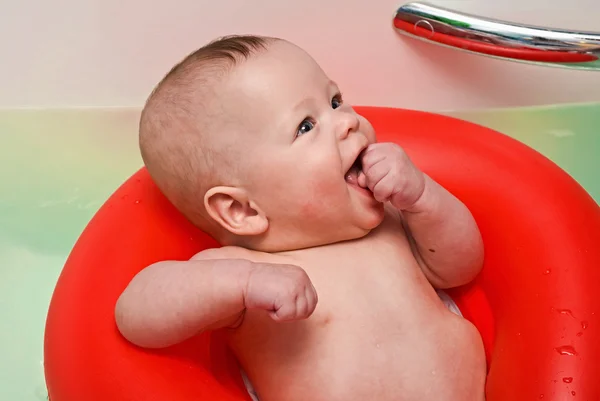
(229, 252)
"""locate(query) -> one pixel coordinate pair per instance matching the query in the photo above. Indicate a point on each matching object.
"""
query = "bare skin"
(327, 291)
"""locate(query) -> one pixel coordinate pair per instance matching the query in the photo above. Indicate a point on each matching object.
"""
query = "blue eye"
(305, 126)
(336, 101)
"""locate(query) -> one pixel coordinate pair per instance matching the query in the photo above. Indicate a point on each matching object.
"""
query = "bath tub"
(57, 167)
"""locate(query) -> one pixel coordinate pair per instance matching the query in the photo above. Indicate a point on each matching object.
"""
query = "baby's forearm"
(171, 301)
(446, 235)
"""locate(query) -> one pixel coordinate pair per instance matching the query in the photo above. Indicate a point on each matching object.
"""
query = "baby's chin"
(358, 236)
(372, 218)
(284, 239)
(353, 234)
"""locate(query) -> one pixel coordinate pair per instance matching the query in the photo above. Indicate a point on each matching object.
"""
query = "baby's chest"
(379, 256)
(367, 300)
(357, 279)
(370, 294)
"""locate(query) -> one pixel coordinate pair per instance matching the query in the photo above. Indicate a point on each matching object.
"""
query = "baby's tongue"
(352, 176)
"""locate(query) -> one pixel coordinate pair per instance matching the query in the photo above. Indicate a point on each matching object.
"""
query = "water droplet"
(566, 312)
(584, 324)
(547, 271)
(579, 334)
(566, 350)
(138, 201)
(573, 393)
(568, 379)
(541, 395)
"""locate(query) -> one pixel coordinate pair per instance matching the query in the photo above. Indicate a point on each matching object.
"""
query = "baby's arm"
(443, 233)
(171, 301)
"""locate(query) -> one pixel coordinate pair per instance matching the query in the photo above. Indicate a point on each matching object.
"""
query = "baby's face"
(300, 141)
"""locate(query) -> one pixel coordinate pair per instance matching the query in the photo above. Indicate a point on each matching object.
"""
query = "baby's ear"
(234, 211)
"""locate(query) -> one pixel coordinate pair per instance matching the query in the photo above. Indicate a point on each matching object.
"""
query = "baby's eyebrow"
(303, 104)
(307, 101)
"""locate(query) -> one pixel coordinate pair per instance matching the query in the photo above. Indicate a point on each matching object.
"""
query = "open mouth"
(356, 168)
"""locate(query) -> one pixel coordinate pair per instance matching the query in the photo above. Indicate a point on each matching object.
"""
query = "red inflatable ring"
(535, 303)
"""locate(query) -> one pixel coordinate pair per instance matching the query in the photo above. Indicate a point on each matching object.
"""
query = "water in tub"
(57, 167)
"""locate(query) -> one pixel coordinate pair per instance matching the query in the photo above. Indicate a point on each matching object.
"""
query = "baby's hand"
(389, 173)
(285, 291)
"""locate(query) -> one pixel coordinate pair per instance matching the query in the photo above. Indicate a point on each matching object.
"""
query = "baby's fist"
(390, 174)
(285, 291)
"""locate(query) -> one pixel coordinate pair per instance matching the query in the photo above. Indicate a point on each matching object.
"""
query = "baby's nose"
(347, 123)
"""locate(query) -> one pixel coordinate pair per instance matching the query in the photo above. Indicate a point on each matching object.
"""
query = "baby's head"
(253, 143)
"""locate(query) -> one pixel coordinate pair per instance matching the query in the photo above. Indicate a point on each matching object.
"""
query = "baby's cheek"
(318, 198)
(308, 210)
(367, 129)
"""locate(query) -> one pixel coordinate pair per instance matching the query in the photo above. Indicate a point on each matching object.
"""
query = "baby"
(333, 244)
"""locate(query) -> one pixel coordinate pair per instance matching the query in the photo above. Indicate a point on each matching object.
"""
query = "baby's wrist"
(422, 202)
(241, 271)
(231, 276)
